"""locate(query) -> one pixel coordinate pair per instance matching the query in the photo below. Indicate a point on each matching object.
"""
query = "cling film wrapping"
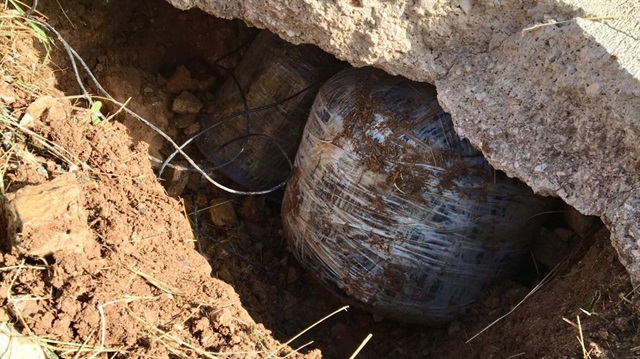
(389, 207)
(252, 148)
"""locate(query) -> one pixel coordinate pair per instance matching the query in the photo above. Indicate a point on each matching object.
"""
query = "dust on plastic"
(387, 206)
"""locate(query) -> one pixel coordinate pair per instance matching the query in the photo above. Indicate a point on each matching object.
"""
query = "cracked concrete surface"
(549, 90)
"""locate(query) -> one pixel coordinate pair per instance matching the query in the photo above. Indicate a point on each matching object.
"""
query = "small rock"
(176, 178)
(222, 213)
(36, 109)
(186, 103)
(192, 129)
(180, 81)
(47, 218)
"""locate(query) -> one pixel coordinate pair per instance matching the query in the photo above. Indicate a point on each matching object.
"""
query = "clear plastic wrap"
(251, 147)
(388, 206)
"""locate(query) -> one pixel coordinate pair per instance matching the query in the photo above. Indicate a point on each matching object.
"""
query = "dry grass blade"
(585, 354)
(66, 348)
(181, 344)
(8, 268)
(516, 355)
(298, 349)
(546, 279)
(559, 267)
(103, 319)
(165, 287)
(311, 327)
(361, 346)
(56, 150)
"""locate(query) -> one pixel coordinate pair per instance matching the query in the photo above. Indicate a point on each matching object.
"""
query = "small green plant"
(96, 115)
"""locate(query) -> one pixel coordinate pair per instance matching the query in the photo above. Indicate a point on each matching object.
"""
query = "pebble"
(222, 213)
(186, 103)
(179, 81)
(177, 179)
(192, 129)
(36, 109)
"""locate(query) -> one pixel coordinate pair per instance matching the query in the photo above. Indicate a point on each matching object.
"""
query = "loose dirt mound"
(139, 288)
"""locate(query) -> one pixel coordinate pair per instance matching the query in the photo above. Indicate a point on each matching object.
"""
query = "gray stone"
(549, 90)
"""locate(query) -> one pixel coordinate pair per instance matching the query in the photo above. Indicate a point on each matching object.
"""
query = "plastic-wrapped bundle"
(271, 70)
(388, 206)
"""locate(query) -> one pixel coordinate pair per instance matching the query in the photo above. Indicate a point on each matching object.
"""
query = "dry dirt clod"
(47, 218)
(222, 213)
(186, 103)
(192, 129)
(36, 109)
(176, 179)
(179, 81)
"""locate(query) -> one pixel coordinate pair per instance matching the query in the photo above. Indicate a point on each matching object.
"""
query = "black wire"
(246, 136)
(31, 10)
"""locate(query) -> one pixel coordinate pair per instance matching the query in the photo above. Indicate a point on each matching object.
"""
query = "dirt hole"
(165, 60)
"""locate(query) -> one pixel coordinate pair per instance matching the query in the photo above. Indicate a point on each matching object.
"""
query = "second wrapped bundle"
(253, 147)
(388, 206)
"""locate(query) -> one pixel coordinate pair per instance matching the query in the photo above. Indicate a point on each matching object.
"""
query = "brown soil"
(139, 287)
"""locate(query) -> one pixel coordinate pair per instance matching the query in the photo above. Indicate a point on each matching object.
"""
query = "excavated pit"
(168, 62)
